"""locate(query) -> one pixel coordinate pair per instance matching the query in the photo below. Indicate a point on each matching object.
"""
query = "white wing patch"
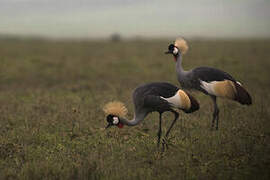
(180, 100)
(208, 87)
(175, 100)
(224, 88)
(238, 83)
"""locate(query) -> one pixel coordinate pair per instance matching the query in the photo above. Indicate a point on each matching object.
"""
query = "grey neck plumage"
(179, 69)
(138, 117)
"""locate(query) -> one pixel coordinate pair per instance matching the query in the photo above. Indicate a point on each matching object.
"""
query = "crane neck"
(179, 67)
(138, 117)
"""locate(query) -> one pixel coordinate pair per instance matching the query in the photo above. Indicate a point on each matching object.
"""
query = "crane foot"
(166, 143)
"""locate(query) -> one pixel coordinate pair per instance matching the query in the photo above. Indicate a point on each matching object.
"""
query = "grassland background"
(43, 82)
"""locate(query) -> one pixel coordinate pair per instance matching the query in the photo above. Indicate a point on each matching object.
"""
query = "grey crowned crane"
(210, 81)
(150, 97)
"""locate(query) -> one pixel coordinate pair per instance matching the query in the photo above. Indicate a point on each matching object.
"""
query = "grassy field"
(52, 123)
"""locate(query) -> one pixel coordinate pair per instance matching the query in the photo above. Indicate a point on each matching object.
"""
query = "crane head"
(113, 121)
(180, 46)
(172, 49)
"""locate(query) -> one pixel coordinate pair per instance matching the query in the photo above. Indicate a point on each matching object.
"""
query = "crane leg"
(159, 130)
(215, 113)
(176, 115)
(165, 143)
(217, 118)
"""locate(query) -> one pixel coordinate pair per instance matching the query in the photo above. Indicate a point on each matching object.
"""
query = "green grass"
(52, 124)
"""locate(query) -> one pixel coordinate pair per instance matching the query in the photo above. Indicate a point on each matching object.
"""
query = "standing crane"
(210, 81)
(150, 97)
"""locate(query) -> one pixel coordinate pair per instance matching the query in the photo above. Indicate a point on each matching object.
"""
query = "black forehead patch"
(171, 47)
(110, 118)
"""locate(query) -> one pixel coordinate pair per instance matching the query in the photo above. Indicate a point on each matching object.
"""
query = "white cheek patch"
(175, 51)
(115, 120)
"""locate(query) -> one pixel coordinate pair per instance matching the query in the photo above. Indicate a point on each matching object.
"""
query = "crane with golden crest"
(150, 97)
(210, 81)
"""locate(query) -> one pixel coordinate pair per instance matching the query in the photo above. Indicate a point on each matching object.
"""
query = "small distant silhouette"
(116, 37)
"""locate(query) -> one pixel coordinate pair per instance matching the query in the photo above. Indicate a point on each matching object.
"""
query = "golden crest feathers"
(115, 108)
(181, 44)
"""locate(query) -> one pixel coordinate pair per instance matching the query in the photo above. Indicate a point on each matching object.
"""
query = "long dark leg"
(176, 115)
(217, 118)
(215, 113)
(159, 130)
(214, 98)
(164, 143)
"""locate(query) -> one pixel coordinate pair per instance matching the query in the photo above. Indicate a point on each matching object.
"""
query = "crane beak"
(109, 125)
(167, 52)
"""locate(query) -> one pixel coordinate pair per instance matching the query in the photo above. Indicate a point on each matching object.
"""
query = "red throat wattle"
(174, 58)
(120, 125)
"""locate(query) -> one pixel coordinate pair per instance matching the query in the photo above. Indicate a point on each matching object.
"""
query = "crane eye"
(115, 120)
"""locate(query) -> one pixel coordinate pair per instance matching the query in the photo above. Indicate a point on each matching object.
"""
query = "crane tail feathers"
(115, 108)
(242, 96)
(194, 105)
(227, 89)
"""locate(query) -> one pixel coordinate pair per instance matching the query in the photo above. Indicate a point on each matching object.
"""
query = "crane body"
(210, 81)
(151, 97)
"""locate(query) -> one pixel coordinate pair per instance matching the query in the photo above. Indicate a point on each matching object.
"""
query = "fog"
(146, 18)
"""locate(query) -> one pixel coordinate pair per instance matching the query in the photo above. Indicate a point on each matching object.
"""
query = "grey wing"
(156, 103)
(209, 74)
(163, 89)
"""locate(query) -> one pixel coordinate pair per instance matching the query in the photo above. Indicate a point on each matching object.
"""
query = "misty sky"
(150, 18)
